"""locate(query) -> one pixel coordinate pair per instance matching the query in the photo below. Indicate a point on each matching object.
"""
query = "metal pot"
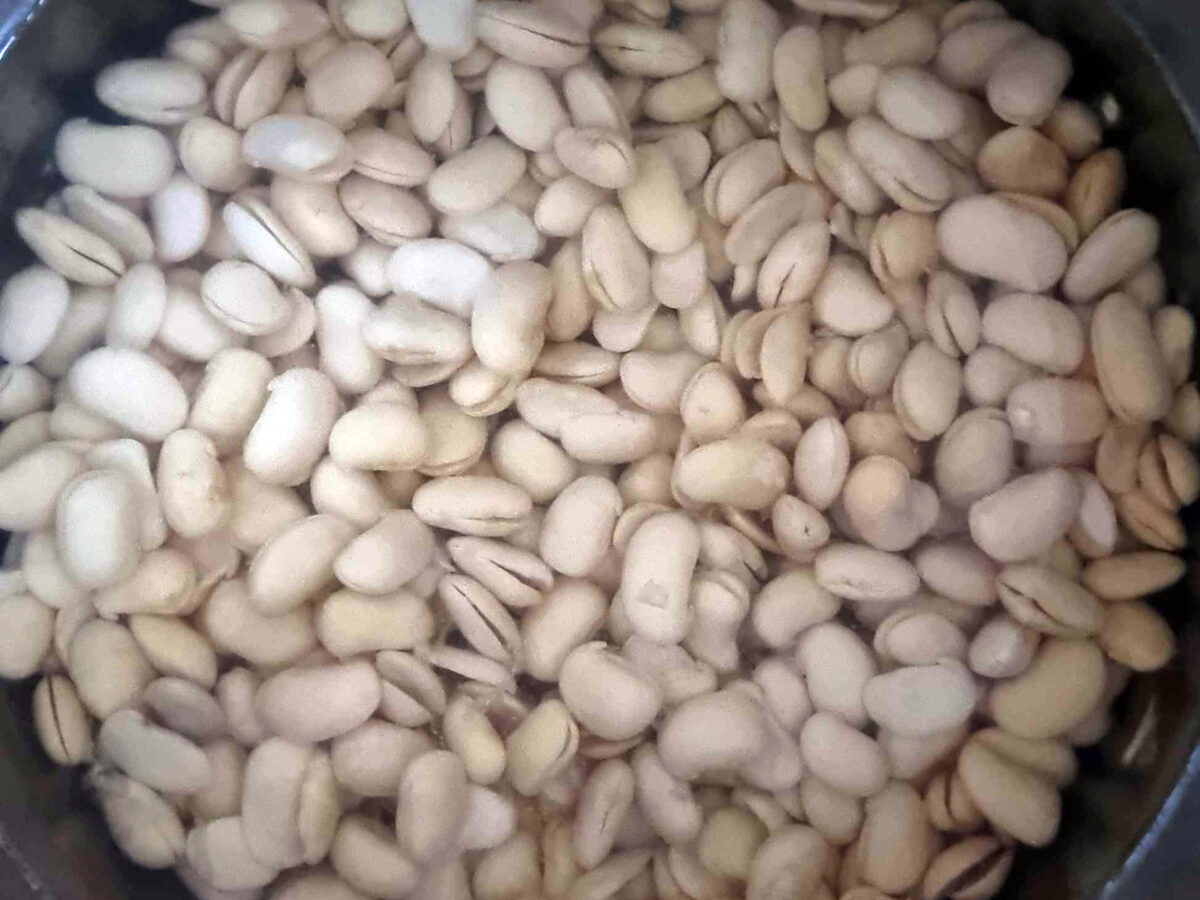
(1129, 821)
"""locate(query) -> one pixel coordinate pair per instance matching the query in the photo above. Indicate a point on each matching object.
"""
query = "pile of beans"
(582, 449)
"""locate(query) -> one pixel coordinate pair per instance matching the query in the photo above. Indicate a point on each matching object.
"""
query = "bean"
(578, 242)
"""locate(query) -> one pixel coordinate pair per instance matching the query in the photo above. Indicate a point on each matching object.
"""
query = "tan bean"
(1011, 797)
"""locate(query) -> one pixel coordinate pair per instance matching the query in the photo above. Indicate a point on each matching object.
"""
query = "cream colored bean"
(407, 331)
(946, 691)
(174, 648)
(734, 725)
(33, 304)
(156, 757)
(29, 631)
(741, 473)
(524, 104)
(1025, 161)
(918, 104)
(1049, 602)
(272, 797)
(788, 605)
(1047, 502)
(748, 32)
(853, 90)
(790, 859)
(799, 77)
(144, 825)
(740, 178)
(541, 747)
(388, 213)
(472, 505)
(654, 204)
(347, 81)
(1027, 80)
(915, 177)
(565, 204)
(188, 329)
(31, 484)
(298, 147)
(443, 273)
(22, 435)
(635, 49)
(191, 483)
(858, 572)
(61, 722)
(604, 802)
(235, 691)
(412, 692)
(181, 217)
(616, 270)
(569, 614)
(296, 563)
(242, 296)
(506, 319)
(764, 221)
(379, 436)
(609, 437)
(542, 37)
(821, 462)
(89, 153)
(387, 555)
(107, 666)
(211, 151)
(516, 576)
(290, 434)
(23, 390)
(590, 666)
(444, 26)
(98, 529)
(235, 626)
(1135, 635)
(667, 801)
(295, 334)
(259, 509)
(975, 457)
(365, 855)
(848, 300)
(837, 665)
(348, 622)
(1056, 411)
(477, 178)
(270, 24)
(131, 389)
(370, 760)
(319, 703)
(842, 757)
(657, 574)
(230, 397)
(471, 735)
(578, 527)
(1095, 190)
(994, 238)
(1132, 373)
(926, 391)
(189, 709)
(163, 582)
(874, 359)
(600, 156)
